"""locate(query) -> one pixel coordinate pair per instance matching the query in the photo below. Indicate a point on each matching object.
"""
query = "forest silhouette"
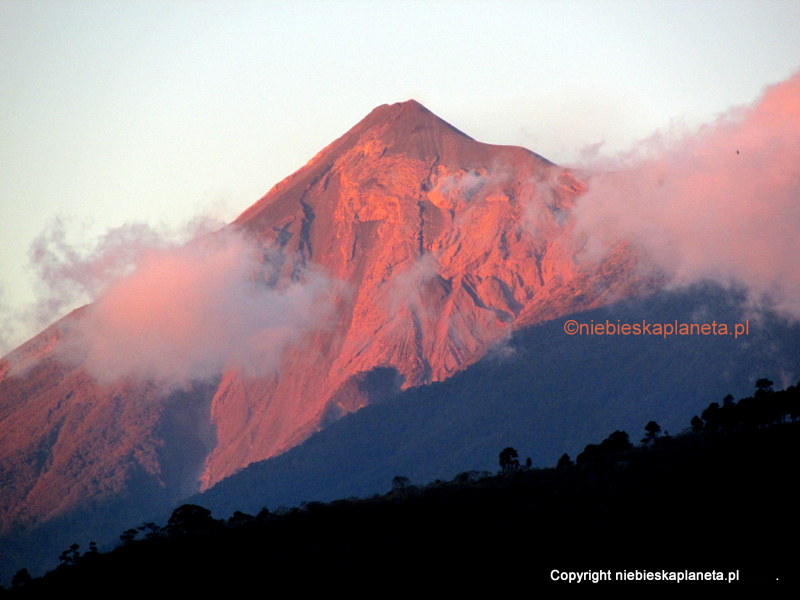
(718, 496)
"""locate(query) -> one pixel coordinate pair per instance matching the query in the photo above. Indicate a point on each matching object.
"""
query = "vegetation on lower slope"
(720, 496)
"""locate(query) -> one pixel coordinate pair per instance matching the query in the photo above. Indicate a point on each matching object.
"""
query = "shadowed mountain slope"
(543, 392)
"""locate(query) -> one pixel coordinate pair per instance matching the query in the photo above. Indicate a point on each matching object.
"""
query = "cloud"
(457, 188)
(407, 286)
(721, 202)
(187, 313)
(7, 329)
(168, 311)
(70, 272)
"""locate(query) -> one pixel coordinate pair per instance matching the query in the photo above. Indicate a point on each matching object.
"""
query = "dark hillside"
(718, 500)
(543, 393)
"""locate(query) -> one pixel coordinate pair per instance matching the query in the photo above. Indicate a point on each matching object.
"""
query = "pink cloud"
(72, 271)
(187, 313)
(719, 203)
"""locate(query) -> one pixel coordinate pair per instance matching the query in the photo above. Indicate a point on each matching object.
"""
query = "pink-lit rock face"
(433, 248)
(444, 245)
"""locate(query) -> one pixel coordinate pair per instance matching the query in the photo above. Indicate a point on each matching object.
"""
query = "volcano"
(440, 246)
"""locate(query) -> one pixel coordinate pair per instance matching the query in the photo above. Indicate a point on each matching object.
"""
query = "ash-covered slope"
(444, 245)
(439, 246)
(71, 444)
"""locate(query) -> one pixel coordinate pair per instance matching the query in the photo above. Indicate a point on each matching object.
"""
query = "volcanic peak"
(404, 131)
(409, 117)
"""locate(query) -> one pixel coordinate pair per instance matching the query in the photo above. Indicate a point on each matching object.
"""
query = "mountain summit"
(409, 129)
(444, 244)
(434, 246)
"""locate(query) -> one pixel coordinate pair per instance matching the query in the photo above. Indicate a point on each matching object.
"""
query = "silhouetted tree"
(462, 478)
(509, 460)
(697, 424)
(609, 447)
(616, 442)
(21, 578)
(188, 519)
(652, 429)
(150, 530)
(764, 385)
(727, 416)
(128, 535)
(71, 555)
(591, 452)
(400, 483)
(239, 517)
(769, 409)
(565, 462)
(711, 417)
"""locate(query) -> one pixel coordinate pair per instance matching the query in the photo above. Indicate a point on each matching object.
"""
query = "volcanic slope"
(444, 245)
(438, 246)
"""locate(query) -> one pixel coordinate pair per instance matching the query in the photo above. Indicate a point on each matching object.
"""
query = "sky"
(118, 115)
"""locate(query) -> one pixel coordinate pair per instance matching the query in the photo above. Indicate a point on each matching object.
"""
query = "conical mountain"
(434, 246)
(444, 244)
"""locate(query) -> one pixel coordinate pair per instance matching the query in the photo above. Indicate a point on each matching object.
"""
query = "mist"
(7, 329)
(171, 312)
(189, 313)
(720, 203)
(70, 269)
(71, 272)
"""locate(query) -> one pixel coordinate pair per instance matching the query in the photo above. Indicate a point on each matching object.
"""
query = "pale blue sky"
(131, 111)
